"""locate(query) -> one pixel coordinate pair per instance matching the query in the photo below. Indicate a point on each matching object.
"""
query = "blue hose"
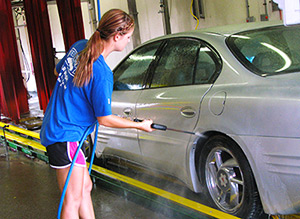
(89, 130)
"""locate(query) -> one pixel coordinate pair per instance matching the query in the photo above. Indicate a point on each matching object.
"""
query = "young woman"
(81, 96)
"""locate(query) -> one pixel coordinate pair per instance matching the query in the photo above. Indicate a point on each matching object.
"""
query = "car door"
(181, 78)
(129, 80)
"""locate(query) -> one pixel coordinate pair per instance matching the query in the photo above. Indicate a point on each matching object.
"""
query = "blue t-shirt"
(71, 110)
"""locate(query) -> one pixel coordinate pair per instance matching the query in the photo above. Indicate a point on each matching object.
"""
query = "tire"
(87, 146)
(88, 149)
(228, 179)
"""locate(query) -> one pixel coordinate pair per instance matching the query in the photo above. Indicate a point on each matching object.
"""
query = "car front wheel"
(228, 179)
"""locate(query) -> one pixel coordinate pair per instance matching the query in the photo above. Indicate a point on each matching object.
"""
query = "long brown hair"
(114, 21)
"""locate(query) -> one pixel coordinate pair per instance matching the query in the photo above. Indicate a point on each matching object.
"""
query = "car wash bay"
(27, 184)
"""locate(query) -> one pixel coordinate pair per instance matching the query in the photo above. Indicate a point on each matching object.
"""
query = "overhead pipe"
(99, 10)
(247, 8)
(249, 19)
(266, 9)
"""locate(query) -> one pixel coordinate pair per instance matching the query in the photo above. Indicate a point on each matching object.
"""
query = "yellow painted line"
(20, 130)
(23, 141)
(175, 198)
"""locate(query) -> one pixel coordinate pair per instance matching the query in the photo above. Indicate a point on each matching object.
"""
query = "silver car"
(233, 94)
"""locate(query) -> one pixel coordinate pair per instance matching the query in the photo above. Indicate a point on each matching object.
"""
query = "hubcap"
(224, 179)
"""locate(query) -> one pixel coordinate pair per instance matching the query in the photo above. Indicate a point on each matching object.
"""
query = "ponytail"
(112, 22)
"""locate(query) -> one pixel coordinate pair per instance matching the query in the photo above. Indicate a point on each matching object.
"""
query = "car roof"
(224, 31)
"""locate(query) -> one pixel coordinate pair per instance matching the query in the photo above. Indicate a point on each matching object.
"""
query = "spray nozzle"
(164, 128)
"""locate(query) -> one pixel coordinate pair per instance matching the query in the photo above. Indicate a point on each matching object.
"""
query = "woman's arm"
(118, 122)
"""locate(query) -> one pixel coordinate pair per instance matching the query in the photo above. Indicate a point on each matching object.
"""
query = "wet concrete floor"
(28, 190)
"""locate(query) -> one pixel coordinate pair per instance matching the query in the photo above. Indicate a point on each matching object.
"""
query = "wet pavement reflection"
(29, 190)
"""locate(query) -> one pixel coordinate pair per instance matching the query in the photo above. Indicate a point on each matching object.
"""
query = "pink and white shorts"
(61, 155)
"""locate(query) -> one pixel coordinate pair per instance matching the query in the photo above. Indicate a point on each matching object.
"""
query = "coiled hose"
(89, 130)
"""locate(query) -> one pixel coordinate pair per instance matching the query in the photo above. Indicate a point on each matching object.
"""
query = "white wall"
(180, 16)
(106, 5)
(150, 21)
(224, 12)
(217, 12)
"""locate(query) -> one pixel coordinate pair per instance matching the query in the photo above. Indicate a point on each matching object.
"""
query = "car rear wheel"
(228, 179)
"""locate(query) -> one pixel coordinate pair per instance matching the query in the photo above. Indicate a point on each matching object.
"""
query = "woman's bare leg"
(75, 194)
(86, 210)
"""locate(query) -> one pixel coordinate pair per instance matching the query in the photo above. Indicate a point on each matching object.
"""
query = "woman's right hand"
(118, 122)
(145, 125)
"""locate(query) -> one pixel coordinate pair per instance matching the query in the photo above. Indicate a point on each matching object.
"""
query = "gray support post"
(165, 10)
(136, 38)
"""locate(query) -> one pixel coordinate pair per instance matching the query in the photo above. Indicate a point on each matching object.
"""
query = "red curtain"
(71, 21)
(14, 101)
(41, 48)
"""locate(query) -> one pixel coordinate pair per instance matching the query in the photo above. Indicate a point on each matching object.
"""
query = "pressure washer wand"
(164, 128)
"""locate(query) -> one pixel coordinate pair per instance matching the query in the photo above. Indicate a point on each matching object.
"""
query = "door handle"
(188, 112)
(127, 112)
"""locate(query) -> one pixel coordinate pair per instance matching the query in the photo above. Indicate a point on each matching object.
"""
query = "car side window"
(177, 63)
(130, 75)
(207, 65)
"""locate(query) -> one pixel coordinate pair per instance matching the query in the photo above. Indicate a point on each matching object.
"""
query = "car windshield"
(268, 51)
